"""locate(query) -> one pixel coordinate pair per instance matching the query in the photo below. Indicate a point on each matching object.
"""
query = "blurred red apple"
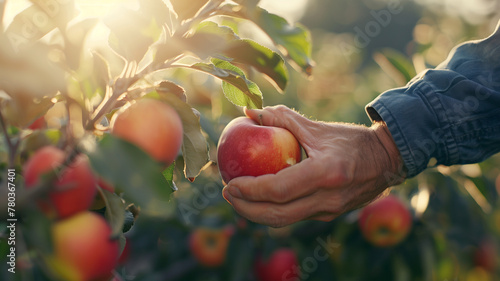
(485, 256)
(83, 245)
(281, 265)
(248, 149)
(209, 246)
(38, 124)
(125, 255)
(152, 125)
(385, 222)
(75, 187)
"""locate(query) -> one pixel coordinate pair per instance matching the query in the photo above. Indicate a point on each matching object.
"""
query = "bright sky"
(472, 10)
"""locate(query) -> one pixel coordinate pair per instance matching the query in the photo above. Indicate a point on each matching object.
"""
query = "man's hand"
(347, 167)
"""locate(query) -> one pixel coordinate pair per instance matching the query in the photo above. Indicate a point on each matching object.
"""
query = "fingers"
(275, 215)
(289, 184)
(279, 116)
(308, 190)
(321, 206)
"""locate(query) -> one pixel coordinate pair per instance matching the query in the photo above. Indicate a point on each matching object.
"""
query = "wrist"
(394, 171)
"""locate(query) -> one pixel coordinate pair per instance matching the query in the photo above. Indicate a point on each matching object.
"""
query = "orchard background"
(75, 64)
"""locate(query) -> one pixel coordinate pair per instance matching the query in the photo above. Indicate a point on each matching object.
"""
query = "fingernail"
(231, 191)
(227, 195)
(234, 191)
(252, 111)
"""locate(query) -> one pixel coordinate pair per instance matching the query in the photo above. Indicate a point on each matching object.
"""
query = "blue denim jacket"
(450, 113)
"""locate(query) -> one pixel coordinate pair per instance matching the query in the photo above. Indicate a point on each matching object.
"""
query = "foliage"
(48, 71)
(198, 54)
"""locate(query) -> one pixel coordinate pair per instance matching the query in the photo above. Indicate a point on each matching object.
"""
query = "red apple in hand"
(249, 149)
(385, 222)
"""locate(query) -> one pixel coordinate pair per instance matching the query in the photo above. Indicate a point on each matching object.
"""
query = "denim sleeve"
(450, 113)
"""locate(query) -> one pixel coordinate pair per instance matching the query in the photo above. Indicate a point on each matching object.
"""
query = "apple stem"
(260, 120)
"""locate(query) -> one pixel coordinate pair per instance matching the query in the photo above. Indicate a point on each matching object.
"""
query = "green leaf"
(122, 241)
(21, 111)
(115, 211)
(41, 138)
(237, 88)
(194, 144)
(212, 40)
(246, 51)
(187, 9)
(208, 40)
(295, 41)
(202, 45)
(168, 173)
(130, 169)
(169, 87)
(261, 58)
(396, 65)
(248, 3)
(210, 27)
(129, 221)
(235, 92)
(38, 230)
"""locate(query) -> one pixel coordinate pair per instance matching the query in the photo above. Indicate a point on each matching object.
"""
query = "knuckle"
(278, 112)
(337, 174)
(279, 108)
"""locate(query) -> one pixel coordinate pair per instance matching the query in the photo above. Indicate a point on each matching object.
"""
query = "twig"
(128, 77)
(122, 83)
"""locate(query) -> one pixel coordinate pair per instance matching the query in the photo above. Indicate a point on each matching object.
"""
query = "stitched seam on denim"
(450, 143)
(399, 138)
